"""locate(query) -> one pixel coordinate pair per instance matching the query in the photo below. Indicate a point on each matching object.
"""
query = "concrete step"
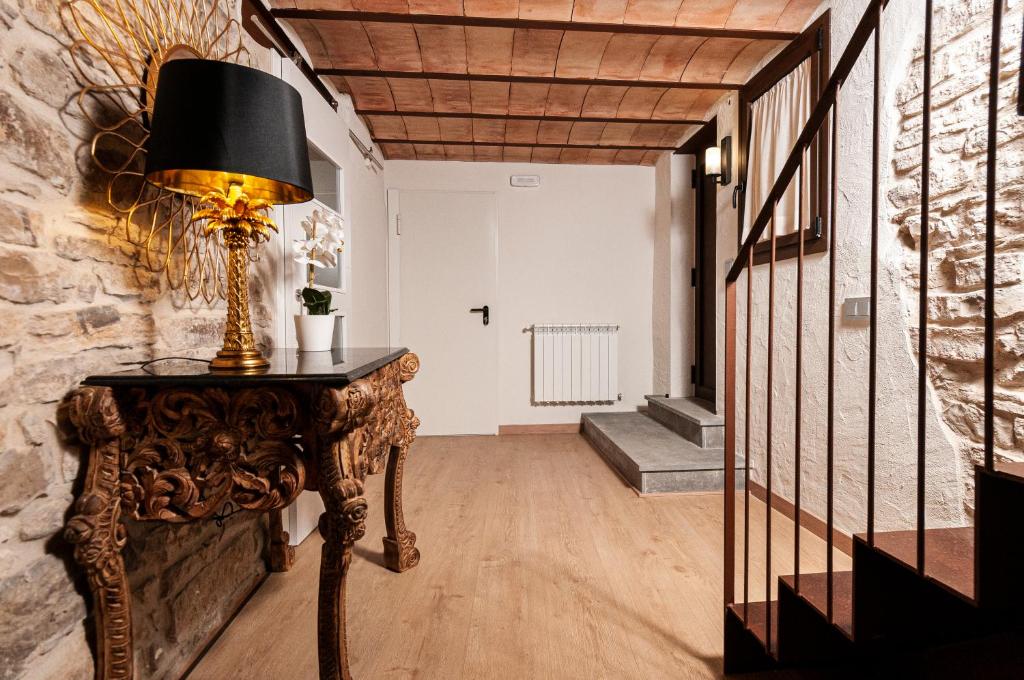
(653, 458)
(692, 418)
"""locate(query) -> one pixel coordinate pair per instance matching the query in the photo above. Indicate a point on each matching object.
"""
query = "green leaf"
(317, 302)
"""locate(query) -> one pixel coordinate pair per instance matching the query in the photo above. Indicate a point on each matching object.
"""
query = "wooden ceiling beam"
(500, 22)
(557, 119)
(538, 80)
(441, 142)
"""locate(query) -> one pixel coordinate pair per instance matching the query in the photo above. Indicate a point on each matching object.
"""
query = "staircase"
(928, 602)
(675, 446)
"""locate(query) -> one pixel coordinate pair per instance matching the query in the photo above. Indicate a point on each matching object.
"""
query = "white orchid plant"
(324, 242)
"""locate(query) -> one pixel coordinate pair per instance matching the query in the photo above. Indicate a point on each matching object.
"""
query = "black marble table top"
(335, 367)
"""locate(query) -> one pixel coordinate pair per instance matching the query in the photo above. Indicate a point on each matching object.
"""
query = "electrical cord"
(146, 364)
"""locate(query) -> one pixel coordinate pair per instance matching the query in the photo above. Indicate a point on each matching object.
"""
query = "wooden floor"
(537, 562)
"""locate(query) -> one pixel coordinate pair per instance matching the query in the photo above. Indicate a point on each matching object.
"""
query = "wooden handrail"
(865, 29)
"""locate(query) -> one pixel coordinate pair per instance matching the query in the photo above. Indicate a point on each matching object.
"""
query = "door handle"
(485, 310)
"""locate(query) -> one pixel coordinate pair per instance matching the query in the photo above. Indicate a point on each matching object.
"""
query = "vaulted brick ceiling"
(550, 81)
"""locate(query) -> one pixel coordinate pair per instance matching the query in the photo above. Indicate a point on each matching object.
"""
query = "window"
(773, 108)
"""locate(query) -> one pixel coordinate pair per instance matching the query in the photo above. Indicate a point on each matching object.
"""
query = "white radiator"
(575, 363)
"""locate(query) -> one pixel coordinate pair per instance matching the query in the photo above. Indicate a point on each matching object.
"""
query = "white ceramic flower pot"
(314, 332)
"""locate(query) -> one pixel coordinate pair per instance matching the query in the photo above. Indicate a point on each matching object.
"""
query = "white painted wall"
(579, 248)
(897, 369)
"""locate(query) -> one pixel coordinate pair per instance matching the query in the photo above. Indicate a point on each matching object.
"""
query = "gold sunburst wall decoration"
(119, 49)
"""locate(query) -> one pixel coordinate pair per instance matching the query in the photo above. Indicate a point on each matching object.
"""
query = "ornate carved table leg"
(96, 530)
(400, 551)
(339, 413)
(282, 555)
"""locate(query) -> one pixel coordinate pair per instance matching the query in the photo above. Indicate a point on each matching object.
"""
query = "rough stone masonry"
(73, 301)
(956, 279)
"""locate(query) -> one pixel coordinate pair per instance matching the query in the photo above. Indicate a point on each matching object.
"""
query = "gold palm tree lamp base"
(241, 222)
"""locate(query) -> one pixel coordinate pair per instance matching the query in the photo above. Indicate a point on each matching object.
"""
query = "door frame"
(704, 370)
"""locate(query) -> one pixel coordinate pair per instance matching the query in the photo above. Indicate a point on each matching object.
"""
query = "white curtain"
(776, 120)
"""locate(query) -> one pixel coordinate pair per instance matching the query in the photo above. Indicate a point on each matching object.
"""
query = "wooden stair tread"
(756, 619)
(949, 555)
(814, 590)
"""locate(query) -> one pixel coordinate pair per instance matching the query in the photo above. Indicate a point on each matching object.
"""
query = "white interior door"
(448, 264)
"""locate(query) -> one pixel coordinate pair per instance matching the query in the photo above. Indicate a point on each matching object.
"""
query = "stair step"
(745, 650)
(653, 458)
(814, 590)
(949, 555)
(691, 418)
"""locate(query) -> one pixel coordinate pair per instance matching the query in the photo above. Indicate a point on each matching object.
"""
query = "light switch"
(857, 309)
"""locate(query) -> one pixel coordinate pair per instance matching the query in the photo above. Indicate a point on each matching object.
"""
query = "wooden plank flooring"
(537, 562)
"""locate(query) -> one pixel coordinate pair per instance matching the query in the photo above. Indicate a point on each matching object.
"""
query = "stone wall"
(73, 301)
(956, 282)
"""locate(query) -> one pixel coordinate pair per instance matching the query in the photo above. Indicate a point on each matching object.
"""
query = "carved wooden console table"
(174, 446)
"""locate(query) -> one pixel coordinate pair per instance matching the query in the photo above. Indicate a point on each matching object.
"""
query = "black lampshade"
(216, 123)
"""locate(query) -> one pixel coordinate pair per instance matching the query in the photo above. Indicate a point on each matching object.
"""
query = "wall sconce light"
(718, 162)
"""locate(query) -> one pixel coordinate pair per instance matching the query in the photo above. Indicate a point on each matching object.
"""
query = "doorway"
(447, 290)
(702, 276)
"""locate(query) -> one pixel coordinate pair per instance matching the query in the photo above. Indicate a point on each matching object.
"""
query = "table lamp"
(235, 138)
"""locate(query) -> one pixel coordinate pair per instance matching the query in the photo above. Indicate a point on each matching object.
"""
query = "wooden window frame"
(812, 44)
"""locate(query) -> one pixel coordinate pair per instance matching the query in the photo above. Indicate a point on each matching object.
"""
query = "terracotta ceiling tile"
(586, 133)
(309, 34)
(411, 94)
(393, 6)
(487, 153)
(602, 101)
(756, 14)
(285, 4)
(647, 135)
(398, 151)
(675, 104)
(522, 131)
(579, 56)
(702, 103)
(456, 129)
(528, 99)
(742, 67)
(652, 12)
(534, 52)
(516, 154)
(618, 134)
(639, 102)
(553, 132)
(395, 46)
(704, 13)
(550, 10)
(489, 97)
(629, 157)
(574, 156)
(322, 4)
(711, 60)
(450, 96)
(458, 153)
(797, 14)
(599, 11)
(348, 46)
(490, 50)
(545, 155)
(387, 127)
(371, 93)
(565, 100)
(508, 9)
(418, 127)
(449, 7)
(602, 156)
(625, 56)
(668, 58)
(442, 48)
(675, 135)
(429, 152)
(651, 157)
(488, 131)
